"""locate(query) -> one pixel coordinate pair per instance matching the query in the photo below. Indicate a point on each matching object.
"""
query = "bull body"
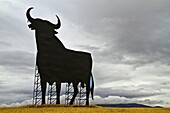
(57, 63)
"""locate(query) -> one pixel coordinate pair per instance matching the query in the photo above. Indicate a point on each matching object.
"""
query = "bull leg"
(87, 93)
(75, 92)
(58, 86)
(43, 89)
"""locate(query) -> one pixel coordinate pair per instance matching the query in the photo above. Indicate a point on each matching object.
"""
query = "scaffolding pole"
(81, 96)
(52, 94)
(37, 94)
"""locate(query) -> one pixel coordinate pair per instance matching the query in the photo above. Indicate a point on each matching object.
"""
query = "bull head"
(41, 25)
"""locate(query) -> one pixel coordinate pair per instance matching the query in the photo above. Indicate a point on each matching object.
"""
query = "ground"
(79, 109)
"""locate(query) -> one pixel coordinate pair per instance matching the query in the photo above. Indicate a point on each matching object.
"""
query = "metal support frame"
(69, 93)
(81, 96)
(52, 94)
(37, 94)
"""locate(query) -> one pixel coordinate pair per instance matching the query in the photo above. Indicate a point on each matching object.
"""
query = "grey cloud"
(4, 44)
(10, 22)
(99, 100)
(1, 84)
(118, 100)
(105, 92)
(17, 93)
(10, 98)
(89, 47)
(14, 30)
(134, 34)
(17, 60)
(138, 30)
(151, 102)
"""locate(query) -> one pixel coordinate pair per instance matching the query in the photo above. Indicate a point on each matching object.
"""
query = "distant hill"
(129, 105)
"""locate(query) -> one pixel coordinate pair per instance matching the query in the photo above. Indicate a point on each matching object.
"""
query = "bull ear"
(28, 15)
(55, 32)
(58, 25)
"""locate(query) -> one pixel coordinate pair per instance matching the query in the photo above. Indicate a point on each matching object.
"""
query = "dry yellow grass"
(79, 109)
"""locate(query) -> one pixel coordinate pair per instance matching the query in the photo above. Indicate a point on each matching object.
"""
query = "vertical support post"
(37, 94)
(52, 94)
(81, 96)
(69, 93)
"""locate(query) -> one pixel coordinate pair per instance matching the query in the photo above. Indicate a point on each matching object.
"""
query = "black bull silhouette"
(58, 64)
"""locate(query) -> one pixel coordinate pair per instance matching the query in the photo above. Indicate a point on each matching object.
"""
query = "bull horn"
(28, 15)
(58, 25)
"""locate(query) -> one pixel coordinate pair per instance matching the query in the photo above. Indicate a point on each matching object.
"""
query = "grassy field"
(79, 109)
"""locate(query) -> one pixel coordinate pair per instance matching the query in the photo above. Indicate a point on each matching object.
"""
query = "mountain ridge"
(129, 105)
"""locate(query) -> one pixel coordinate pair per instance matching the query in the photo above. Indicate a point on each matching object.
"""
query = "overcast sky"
(129, 41)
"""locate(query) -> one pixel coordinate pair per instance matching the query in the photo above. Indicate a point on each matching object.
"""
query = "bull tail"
(91, 85)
